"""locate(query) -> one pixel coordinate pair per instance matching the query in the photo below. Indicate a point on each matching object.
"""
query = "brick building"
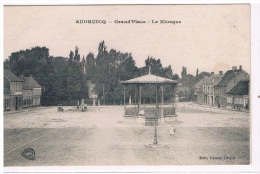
(208, 88)
(20, 92)
(226, 83)
(238, 96)
(12, 91)
(31, 92)
(198, 91)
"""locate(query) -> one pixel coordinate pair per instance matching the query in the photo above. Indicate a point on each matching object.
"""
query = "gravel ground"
(98, 137)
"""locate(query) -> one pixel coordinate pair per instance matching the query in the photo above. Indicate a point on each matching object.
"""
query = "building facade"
(31, 92)
(209, 97)
(226, 83)
(13, 94)
(20, 92)
(91, 92)
(204, 89)
(238, 96)
(198, 92)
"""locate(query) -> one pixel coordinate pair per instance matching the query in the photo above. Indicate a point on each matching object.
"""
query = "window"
(8, 103)
(229, 99)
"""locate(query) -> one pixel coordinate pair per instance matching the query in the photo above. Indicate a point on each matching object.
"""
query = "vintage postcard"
(127, 85)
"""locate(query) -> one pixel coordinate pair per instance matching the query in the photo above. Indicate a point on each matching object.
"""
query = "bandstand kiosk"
(151, 114)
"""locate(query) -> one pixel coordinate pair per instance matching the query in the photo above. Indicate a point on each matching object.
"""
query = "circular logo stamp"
(28, 154)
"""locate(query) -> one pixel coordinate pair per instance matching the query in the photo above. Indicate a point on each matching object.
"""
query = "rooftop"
(149, 79)
(241, 88)
(30, 83)
(11, 76)
(228, 76)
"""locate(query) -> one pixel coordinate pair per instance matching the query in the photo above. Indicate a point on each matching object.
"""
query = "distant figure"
(78, 105)
(82, 107)
(60, 108)
(172, 130)
(141, 112)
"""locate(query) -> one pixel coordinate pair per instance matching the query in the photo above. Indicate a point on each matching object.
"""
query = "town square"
(127, 85)
(101, 137)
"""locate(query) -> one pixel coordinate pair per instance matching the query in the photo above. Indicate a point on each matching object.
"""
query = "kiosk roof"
(149, 79)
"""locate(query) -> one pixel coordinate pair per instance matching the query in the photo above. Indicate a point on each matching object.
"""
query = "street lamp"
(155, 135)
(156, 117)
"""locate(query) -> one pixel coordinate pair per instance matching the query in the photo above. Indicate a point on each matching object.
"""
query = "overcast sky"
(209, 37)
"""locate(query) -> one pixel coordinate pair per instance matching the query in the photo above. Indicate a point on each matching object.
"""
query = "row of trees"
(60, 79)
(114, 66)
(65, 78)
(186, 87)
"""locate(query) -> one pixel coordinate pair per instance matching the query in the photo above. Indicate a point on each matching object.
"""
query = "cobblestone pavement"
(99, 137)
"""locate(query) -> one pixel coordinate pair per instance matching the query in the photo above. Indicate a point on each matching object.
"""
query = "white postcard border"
(255, 100)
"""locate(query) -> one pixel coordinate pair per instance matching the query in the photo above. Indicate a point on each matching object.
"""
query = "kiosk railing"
(149, 110)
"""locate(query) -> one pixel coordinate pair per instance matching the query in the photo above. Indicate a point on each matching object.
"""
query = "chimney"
(212, 73)
(234, 68)
(240, 67)
(221, 73)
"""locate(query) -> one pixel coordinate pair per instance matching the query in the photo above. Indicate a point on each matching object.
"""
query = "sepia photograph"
(126, 85)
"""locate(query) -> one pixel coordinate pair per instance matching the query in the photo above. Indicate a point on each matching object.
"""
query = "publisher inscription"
(216, 157)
